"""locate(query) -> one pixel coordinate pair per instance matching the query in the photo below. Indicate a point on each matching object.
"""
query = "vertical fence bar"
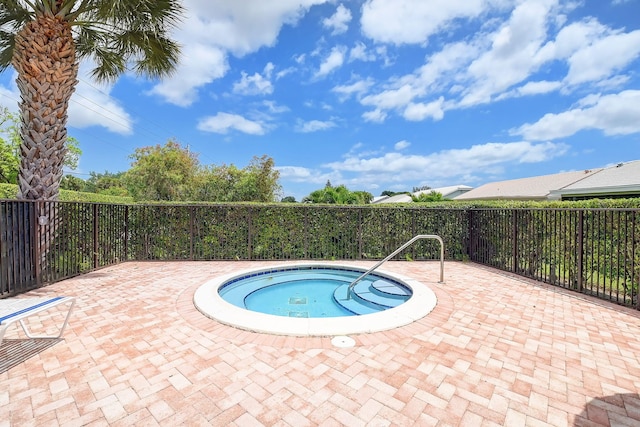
(619, 226)
(191, 233)
(635, 276)
(95, 235)
(249, 234)
(126, 232)
(580, 249)
(514, 234)
(35, 238)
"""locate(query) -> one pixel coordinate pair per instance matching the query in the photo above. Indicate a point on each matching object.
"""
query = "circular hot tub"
(314, 300)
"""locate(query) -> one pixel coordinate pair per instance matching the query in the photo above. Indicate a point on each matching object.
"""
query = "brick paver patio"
(497, 350)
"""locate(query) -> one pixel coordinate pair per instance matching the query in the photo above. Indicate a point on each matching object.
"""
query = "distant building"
(449, 192)
(622, 180)
(619, 181)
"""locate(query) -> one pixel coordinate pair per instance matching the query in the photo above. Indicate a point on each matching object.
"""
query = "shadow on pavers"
(15, 351)
(614, 410)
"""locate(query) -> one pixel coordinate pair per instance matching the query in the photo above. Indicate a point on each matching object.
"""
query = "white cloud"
(357, 88)
(420, 111)
(616, 114)
(241, 27)
(92, 105)
(393, 98)
(439, 71)
(401, 145)
(89, 107)
(499, 64)
(224, 122)
(571, 39)
(213, 29)
(397, 167)
(306, 175)
(359, 52)
(201, 64)
(333, 61)
(513, 52)
(272, 107)
(588, 63)
(414, 21)
(282, 73)
(295, 172)
(256, 84)
(375, 116)
(314, 126)
(531, 88)
(339, 21)
(366, 169)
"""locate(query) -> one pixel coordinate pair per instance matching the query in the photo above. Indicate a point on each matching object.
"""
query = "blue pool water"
(311, 292)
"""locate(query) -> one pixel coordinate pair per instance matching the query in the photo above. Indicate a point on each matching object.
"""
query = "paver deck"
(497, 350)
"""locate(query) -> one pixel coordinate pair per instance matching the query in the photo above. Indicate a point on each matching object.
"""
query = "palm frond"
(160, 57)
(137, 32)
(113, 33)
(7, 42)
(13, 15)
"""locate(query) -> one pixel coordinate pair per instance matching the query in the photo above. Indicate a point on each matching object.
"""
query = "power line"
(140, 127)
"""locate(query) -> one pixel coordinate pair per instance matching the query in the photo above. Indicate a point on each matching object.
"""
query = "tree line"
(171, 172)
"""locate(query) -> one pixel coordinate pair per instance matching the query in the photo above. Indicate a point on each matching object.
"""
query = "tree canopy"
(433, 196)
(339, 195)
(173, 173)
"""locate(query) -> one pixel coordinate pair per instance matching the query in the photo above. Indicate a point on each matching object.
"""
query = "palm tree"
(45, 39)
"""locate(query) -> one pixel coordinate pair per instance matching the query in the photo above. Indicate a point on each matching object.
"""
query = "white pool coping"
(210, 303)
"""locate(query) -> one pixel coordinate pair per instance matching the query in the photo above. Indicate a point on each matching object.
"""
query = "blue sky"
(379, 94)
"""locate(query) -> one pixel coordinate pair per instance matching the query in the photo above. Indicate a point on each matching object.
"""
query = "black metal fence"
(592, 251)
(589, 250)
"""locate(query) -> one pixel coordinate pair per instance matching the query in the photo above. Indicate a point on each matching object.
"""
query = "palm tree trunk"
(45, 59)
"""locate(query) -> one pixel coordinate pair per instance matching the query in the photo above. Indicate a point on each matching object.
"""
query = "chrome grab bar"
(396, 252)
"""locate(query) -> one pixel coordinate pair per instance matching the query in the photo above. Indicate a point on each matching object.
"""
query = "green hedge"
(10, 191)
(524, 204)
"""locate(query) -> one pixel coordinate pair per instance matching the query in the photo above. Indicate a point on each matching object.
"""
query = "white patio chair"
(18, 309)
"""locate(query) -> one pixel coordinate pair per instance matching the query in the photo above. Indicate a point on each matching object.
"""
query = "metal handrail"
(396, 252)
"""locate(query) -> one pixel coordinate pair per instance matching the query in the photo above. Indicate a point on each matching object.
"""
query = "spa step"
(365, 299)
(390, 290)
(367, 295)
(354, 305)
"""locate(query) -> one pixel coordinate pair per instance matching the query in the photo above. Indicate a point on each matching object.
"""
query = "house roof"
(619, 179)
(398, 198)
(406, 198)
(533, 188)
(445, 191)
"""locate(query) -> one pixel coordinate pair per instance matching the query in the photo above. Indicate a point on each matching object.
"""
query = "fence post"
(360, 233)
(95, 236)
(306, 233)
(35, 233)
(470, 236)
(249, 236)
(580, 248)
(191, 216)
(515, 241)
(126, 232)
